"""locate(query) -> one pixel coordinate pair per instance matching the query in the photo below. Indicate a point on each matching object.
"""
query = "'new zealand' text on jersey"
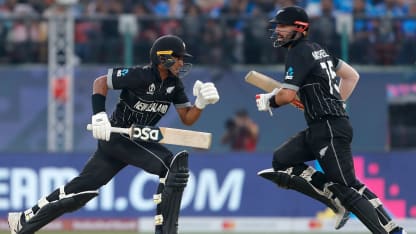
(310, 70)
(144, 96)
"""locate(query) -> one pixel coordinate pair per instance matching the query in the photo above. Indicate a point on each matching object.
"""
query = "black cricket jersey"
(310, 70)
(144, 96)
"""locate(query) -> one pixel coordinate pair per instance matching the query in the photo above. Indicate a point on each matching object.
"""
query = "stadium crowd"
(218, 32)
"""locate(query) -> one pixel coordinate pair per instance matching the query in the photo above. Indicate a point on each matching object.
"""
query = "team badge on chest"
(151, 89)
(170, 89)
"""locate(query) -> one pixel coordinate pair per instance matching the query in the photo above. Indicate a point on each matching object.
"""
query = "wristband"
(272, 102)
(98, 103)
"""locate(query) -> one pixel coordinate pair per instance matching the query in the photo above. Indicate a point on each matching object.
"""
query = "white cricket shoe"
(14, 222)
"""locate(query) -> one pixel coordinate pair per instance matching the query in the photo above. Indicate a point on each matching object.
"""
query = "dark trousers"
(329, 142)
(110, 157)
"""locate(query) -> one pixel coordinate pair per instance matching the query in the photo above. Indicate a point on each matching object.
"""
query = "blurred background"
(52, 50)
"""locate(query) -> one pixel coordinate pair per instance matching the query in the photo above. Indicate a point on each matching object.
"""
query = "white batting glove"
(206, 93)
(101, 127)
(263, 103)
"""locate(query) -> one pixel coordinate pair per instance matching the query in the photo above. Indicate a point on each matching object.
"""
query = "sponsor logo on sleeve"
(122, 72)
(289, 73)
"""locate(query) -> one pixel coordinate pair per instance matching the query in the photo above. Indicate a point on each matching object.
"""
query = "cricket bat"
(173, 136)
(267, 84)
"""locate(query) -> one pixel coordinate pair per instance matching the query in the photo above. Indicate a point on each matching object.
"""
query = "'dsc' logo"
(147, 133)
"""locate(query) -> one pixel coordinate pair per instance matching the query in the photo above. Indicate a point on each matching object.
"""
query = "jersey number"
(329, 69)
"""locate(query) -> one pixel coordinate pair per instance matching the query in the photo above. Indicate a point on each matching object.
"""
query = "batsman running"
(146, 95)
(311, 72)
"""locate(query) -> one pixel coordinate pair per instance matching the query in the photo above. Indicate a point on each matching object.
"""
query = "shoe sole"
(12, 224)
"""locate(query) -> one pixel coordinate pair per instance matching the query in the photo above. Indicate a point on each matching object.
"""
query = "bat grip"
(113, 129)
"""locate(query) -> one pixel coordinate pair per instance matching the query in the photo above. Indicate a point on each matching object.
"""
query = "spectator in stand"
(323, 29)
(241, 132)
(24, 34)
(192, 26)
(110, 36)
(386, 31)
(85, 33)
(210, 7)
(176, 8)
(159, 7)
(235, 11)
(212, 37)
(340, 5)
(407, 53)
(360, 44)
(255, 36)
(147, 34)
(389, 8)
(385, 39)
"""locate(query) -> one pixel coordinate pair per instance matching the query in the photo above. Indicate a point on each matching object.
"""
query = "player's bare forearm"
(189, 115)
(346, 87)
(100, 86)
(349, 79)
(285, 96)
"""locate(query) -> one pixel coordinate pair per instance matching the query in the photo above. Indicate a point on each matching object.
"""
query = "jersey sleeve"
(297, 67)
(120, 78)
(336, 62)
(180, 99)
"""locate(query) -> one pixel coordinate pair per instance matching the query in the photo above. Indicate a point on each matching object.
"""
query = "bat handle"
(113, 129)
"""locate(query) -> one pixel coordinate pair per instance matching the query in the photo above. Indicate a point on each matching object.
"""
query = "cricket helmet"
(166, 47)
(292, 15)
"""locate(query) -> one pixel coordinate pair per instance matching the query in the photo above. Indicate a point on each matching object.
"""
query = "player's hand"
(101, 127)
(206, 93)
(263, 103)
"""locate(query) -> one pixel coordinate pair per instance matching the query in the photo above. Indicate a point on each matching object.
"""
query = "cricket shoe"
(341, 216)
(13, 219)
(399, 231)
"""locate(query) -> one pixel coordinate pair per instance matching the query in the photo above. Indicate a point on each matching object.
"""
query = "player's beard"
(286, 40)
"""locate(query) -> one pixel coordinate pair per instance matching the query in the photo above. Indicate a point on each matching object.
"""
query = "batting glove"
(101, 127)
(263, 101)
(206, 93)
